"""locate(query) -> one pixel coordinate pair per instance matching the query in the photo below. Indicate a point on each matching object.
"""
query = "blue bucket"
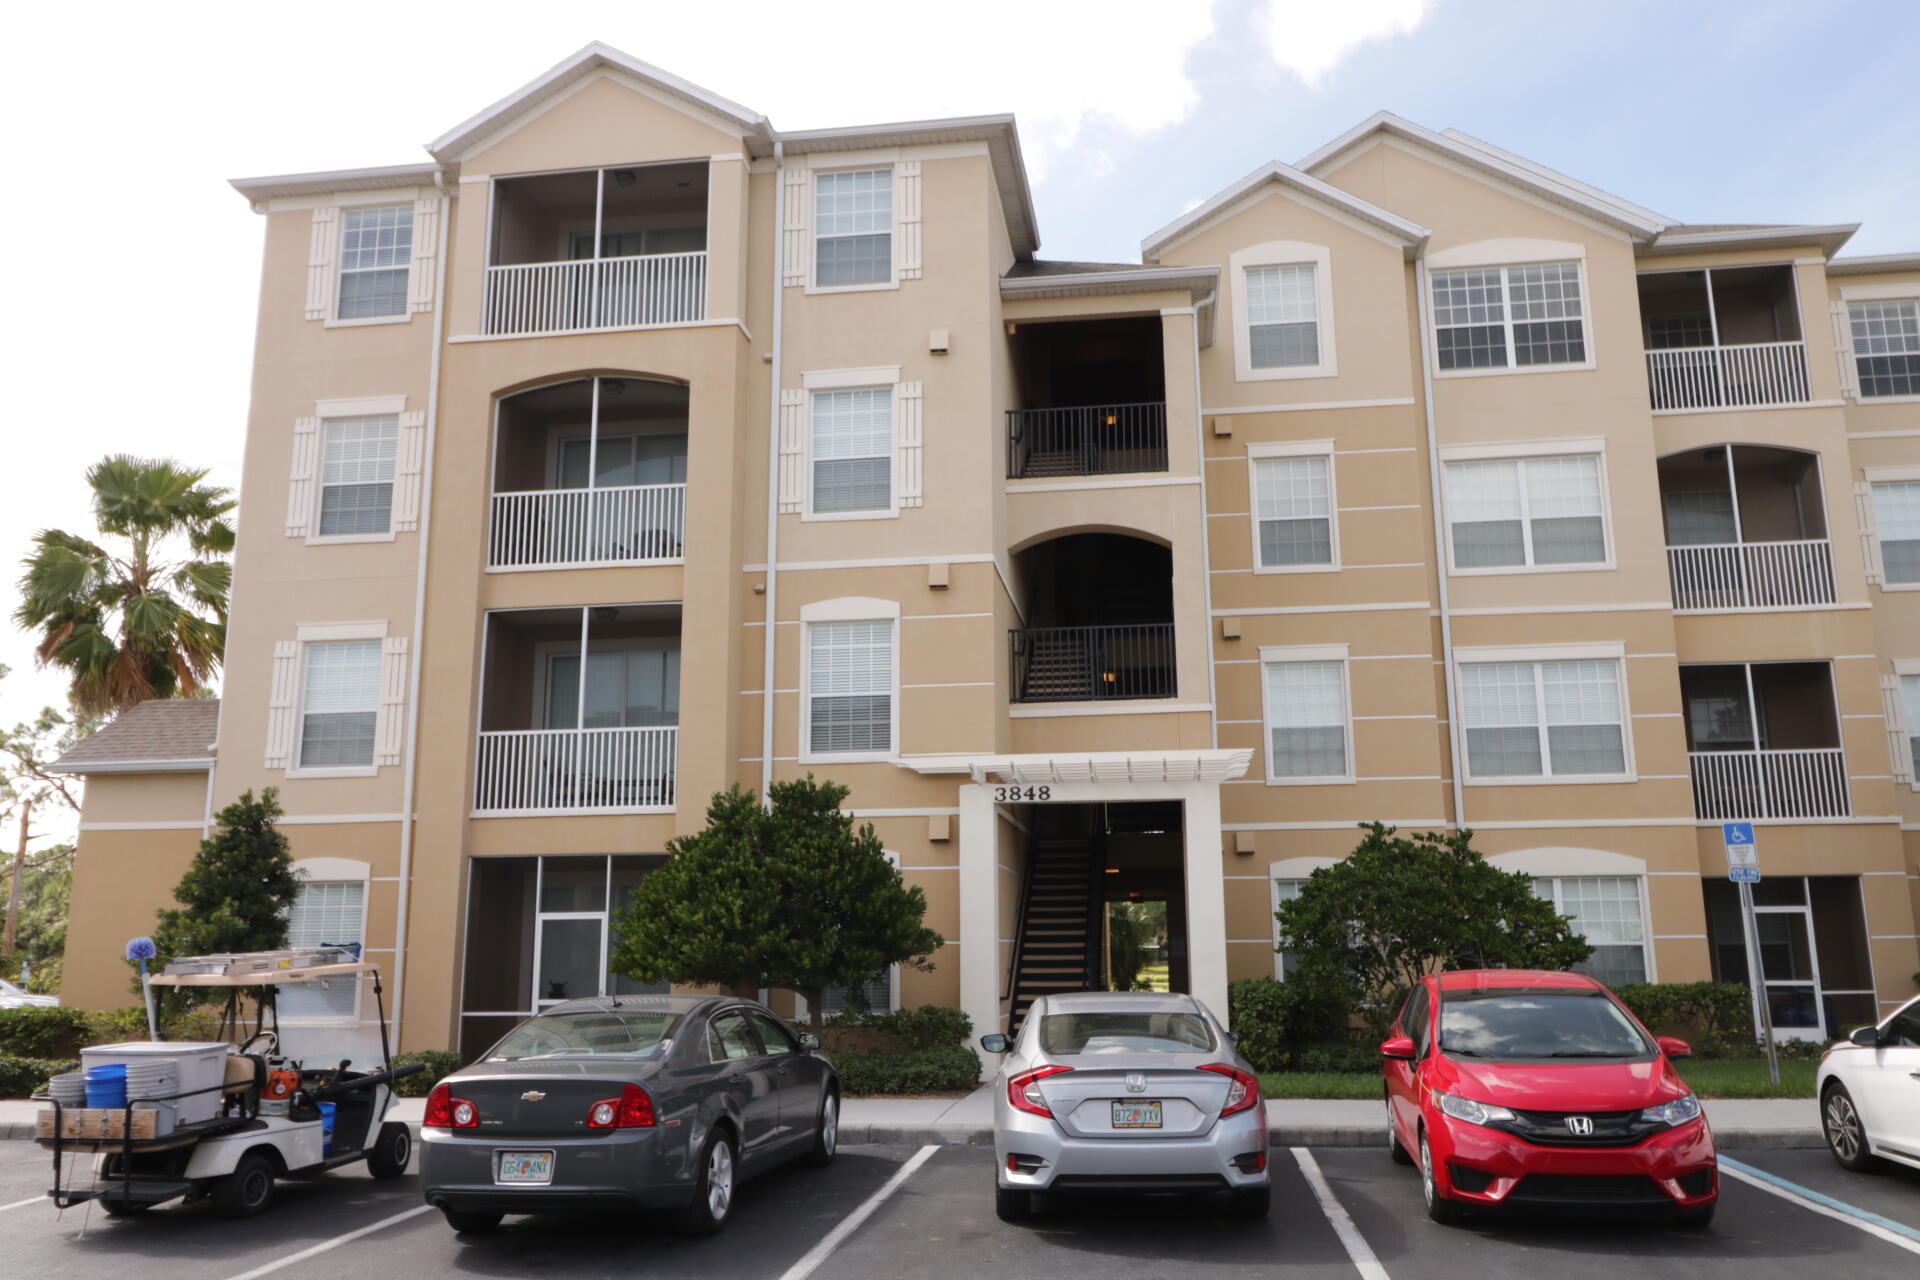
(107, 1086)
(326, 1128)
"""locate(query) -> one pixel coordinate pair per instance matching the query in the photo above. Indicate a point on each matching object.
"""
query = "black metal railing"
(1092, 664)
(1089, 441)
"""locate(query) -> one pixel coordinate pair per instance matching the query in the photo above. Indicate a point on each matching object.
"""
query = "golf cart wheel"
(472, 1221)
(391, 1151)
(247, 1190)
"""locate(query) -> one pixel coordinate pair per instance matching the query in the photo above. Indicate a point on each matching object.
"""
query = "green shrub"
(1279, 1021)
(111, 1026)
(940, 1070)
(42, 1033)
(1342, 1057)
(440, 1064)
(24, 1077)
(931, 1026)
(1710, 1009)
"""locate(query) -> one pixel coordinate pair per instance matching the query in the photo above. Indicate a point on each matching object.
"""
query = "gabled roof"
(1410, 235)
(329, 181)
(167, 735)
(1873, 264)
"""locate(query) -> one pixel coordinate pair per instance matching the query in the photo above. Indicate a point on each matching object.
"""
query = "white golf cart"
(223, 1119)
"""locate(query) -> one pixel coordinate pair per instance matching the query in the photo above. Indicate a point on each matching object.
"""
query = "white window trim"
(330, 871)
(1510, 253)
(1308, 653)
(847, 609)
(811, 236)
(852, 380)
(1293, 449)
(1869, 293)
(358, 407)
(311, 633)
(1283, 253)
(1519, 450)
(1885, 475)
(380, 200)
(1537, 653)
(1287, 869)
(1646, 911)
(1902, 669)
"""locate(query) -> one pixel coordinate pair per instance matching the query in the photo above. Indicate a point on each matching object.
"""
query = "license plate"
(525, 1166)
(1136, 1115)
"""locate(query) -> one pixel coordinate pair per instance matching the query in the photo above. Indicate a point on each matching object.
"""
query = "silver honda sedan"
(1126, 1092)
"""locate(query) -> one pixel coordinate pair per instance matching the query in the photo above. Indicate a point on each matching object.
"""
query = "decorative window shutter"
(1843, 352)
(794, 226)
(1869, 542)
(320, 264)
(426, 230)
(391, 729)
(906, 218)
(793, 451)
(408, 460)
(306, 456)
(286, 685)
(906, 443)
(1899, 739)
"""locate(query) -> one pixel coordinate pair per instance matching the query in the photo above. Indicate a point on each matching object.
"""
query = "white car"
(1869, 1090)
(15, 997)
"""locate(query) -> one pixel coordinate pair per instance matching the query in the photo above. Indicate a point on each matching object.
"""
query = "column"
(980, 910)
(1206, 899)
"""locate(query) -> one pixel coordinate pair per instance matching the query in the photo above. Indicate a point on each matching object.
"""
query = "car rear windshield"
(587, 1035)
(1507, 1023)
(1068, 1034)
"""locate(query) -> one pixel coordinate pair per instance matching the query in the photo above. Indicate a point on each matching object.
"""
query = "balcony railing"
(1752, 375)
(1090, 441)
(1751, 575)
(556, 770)
(1092, 664)
(598, 293)
(543, 528)
(1741, 785)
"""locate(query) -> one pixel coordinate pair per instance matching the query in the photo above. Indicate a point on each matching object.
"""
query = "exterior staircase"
(1059, 947)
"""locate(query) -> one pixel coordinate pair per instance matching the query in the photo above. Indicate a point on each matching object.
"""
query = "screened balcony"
(1094, 396)
(1726, 338)
(579, 710)
(1100, 609)
(590, 472)
(1746, 529)
(597, 249)
(1763, 741)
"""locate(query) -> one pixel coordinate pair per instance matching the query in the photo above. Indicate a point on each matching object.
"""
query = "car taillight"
(1023, 1090)
(444, 1111)
(1243, 1093)
(633, 1109)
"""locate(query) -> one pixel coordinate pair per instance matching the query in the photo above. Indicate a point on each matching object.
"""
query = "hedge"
(23, 1077)
(440, 1063)
(940, 1070)
(43, 1033)
(1286, 1026)
(1712, 1010)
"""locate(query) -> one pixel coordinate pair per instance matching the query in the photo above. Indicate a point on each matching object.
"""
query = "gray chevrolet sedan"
(657, 1102)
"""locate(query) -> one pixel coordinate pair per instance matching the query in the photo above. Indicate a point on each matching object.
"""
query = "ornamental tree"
(1396, 909)
(788, 896)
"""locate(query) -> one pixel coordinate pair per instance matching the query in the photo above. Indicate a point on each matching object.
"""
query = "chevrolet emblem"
(532, 1095)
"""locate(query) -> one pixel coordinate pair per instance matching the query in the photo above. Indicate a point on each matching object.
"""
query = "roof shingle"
(167, 732)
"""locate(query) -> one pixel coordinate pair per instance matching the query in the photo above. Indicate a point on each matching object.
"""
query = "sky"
(1129, 111)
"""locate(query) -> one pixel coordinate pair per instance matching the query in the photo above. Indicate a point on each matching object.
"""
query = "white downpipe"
(1206, 551)
(772, 629)
(1454, 727)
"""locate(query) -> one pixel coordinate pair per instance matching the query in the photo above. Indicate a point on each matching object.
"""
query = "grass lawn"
(1710, 1078)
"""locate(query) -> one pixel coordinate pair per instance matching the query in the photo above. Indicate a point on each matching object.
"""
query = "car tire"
(1439, 1208)
(1011, 1204)
(1844, 1131)
(714, 1180)
(391, 1151)
(826, 1133)
(1249, 1202)
(1696, 1219)
(472, 1222)
(247, 1190)
(1394, 1145)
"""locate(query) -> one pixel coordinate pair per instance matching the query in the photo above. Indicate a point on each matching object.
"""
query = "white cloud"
(1312, 37)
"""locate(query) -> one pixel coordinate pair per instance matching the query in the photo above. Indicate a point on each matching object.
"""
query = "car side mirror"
(1865, 1037)
(1399, 1048)
(995, 1043)
(1674, 1047)
(809, 1042)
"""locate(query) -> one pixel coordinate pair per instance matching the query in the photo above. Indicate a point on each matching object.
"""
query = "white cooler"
(197, 1064)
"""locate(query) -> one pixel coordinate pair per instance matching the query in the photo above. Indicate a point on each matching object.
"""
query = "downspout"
(420, 615)
(1452, 708)
(771, 636)
(1206, 550)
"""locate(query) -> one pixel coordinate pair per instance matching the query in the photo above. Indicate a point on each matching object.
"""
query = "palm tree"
(146, 618)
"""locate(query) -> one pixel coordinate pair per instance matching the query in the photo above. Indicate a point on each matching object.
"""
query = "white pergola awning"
(1095, 766)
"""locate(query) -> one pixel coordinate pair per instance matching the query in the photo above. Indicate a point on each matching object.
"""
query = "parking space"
(937, 1220)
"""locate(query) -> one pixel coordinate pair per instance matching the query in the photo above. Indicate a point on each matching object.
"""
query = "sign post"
(1743, 868)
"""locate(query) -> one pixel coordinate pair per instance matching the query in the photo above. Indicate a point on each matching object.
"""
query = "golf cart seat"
(245, 1071)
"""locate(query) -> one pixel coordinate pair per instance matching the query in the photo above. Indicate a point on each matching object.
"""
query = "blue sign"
(1749, 875)
(1736, 833)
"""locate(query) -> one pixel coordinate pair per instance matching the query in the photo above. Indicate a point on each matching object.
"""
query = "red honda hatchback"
(1516, 1088)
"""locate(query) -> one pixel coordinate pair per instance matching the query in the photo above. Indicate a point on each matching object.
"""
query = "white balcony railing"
(1741, 785)
(600, 293)
(544, 528)
(1751, 575)
(1748, 376)
(556, 770)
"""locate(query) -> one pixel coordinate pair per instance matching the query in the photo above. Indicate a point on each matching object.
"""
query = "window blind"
(1896, 514)
(327, 911)
(1543, 719)
(853, 227)
(1526, 511)
(850, 686)
(853, 449)
(1886, 346)
(356, 475)
(1294, 508)
(1283, 313)
(340, 704)
(376, 246)
(1503, 317)
(1606, 912)
(1306, 719)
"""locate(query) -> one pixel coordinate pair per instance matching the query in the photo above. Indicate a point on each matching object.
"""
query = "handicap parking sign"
(1736, 833)
(1748, 875)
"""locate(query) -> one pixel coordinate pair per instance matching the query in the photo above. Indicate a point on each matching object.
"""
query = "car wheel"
(1439, 1208)
(1010, 1204)
(391, 1151)
(713, 1185)
(1394, 1145)
(1249, 1202)
(247, 1190)
(1845, 1133)
(826, 1133)
(1696, 1219)
(475, 1222)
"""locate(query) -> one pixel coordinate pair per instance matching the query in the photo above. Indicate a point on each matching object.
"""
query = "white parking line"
(21, 1204)
(1892, 1232)
(267, 1268)
(834, 1238)
(1356, 1244)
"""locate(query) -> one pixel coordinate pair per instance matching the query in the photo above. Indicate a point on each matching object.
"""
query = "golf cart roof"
(261, 968)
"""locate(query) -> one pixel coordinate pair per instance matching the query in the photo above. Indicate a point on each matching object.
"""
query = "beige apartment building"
(629, 447)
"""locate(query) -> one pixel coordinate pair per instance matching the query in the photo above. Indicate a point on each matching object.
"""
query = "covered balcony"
(590, 472)
(1725, 338)
(579, 711)
(1094, 396)
(1100, 613)
(597, 249)
(1763, 741)
(1746, 529)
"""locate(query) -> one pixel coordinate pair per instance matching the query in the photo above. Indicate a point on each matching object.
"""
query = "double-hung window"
(1509, 317)
(1886, 346)
(850, 687)
(853, 450)
(326, 913)
(1543, 719)
(1293, 511)
(1910, 696)
(356, 475)
(1896, 513)
(1285, 963)
(853, 227)
(376, 246)
(340, 704)
(1606, 912)
(1283, 316)
(1307, 726)
(1514, 512)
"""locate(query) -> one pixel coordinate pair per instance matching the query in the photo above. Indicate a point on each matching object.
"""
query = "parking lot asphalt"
(887, 1211)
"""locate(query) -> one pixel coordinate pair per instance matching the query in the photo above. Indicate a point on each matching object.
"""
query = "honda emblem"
(1580, 1126)
(533, 1095)
(1136, 1083)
